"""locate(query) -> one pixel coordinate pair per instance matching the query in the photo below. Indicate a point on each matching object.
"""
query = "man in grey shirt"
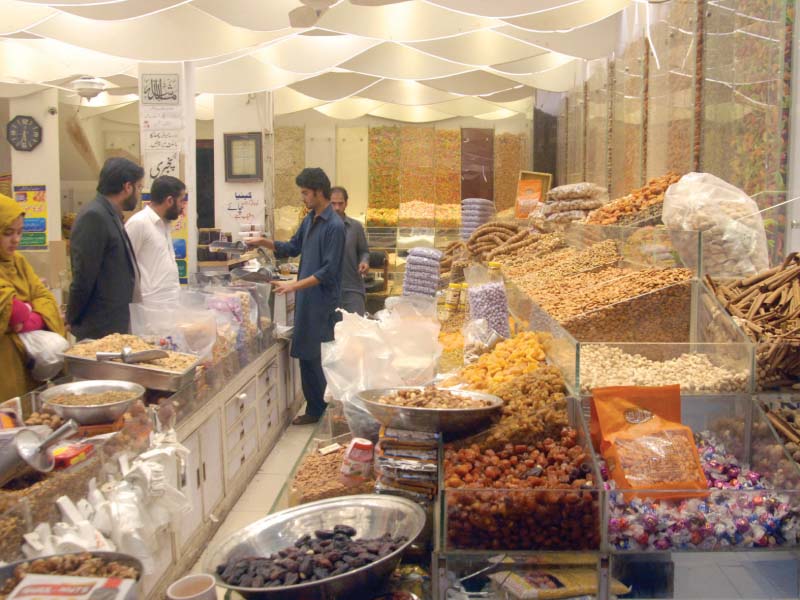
(355, 259)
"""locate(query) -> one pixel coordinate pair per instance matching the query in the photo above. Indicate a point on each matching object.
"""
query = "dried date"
(330, 552)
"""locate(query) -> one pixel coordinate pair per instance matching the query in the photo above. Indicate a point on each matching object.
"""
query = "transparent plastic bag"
(45, 350)
(733, 235)
(399, 348)
(479, 339)
(487, 299)
(576, 191)
(178, 329)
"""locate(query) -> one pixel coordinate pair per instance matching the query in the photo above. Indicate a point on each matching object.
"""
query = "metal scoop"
(28, 451)
(128, 356)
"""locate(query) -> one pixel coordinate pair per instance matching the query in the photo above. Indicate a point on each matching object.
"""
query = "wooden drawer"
(267, 378)
(245, 428)
(270, 423)
(236, 407)
(240, 455)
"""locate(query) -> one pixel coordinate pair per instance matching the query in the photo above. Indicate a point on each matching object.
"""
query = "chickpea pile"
(532, 497)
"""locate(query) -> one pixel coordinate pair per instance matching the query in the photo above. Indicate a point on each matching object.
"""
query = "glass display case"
(746, 96)
(597, 125)
(290, 158)
(576, 138)
(524, 518)
(671, 98)
(628, 110)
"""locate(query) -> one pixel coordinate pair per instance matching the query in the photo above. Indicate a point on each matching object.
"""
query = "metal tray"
(96, 413)
(371, 515)
(150, 377)
(461, 421)
(7, 571)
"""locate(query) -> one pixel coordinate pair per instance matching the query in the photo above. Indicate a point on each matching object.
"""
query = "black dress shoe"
(305, 419)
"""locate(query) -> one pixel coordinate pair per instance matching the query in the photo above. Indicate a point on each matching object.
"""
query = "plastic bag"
(576, 191)
(178, 329)
(399, 348)
(479, 339)
(734, 240)
(45, 350)
(487, 299)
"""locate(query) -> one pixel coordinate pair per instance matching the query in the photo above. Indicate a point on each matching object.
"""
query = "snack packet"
(643, 449)
(552, 584)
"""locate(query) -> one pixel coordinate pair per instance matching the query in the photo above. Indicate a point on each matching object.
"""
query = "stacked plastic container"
(474, 213)
(422, 272)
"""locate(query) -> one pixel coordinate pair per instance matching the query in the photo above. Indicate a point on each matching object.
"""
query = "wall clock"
(23, 133)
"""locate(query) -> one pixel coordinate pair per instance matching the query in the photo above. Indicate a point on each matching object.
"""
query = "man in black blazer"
(104, 272)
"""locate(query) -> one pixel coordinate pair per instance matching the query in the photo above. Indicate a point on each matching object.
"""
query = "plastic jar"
(357, 462)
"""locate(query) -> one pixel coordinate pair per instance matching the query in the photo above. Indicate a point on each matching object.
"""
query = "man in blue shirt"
(320, 242)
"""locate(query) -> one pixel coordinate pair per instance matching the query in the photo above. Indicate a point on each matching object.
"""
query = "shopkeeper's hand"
(260, 242)
(363, 268)
(284, 287)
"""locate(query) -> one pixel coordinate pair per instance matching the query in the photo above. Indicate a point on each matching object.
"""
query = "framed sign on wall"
(243, 157)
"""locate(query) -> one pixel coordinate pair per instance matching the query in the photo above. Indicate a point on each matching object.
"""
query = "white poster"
(157, 164)
(160, 88)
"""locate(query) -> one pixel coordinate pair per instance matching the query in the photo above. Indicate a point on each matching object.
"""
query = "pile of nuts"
(518, 262)
(431, 397)
(661, 315)
(637, 201)
(330, 553)
(317, 478)
(46, 417)
(633, 284)
(531, 497)
(75, 565)
(604, 366)
(521, 354)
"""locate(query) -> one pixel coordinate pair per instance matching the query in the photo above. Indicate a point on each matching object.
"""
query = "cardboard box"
(63, 587)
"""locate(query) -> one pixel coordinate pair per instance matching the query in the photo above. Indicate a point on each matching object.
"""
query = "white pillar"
(168, 141)
(40, 166)
(237, 203)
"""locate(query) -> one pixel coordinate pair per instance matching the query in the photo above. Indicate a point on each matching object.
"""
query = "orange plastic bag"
(644, 449)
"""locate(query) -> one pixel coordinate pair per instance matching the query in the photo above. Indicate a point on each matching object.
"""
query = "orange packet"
(644, 450)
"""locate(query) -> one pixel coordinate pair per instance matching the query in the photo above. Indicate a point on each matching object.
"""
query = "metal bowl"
(7, 571)
(460, 421)
(371, 515)
(93, 414)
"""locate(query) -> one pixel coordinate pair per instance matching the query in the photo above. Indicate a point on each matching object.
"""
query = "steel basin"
(371, 516)
(462, 421)
(94, 414)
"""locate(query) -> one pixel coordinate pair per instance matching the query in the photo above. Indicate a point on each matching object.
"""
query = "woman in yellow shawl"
(25, 304)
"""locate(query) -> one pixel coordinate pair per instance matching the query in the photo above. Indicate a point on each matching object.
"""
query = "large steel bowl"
(461, 421)
(93, 414)
(371, 516)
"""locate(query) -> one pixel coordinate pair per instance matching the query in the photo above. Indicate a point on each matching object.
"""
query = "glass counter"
(531, 519)
(736, 444)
